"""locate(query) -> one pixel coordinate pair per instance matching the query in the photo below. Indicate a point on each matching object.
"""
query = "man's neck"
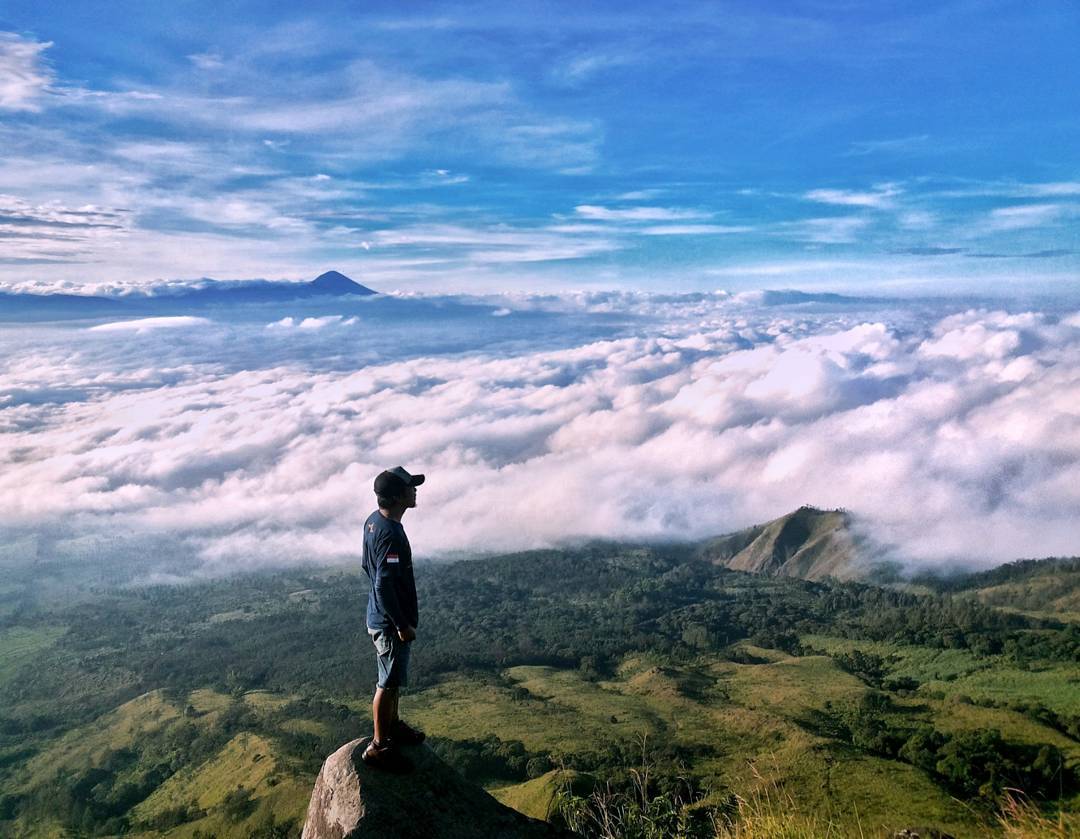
(394, 513)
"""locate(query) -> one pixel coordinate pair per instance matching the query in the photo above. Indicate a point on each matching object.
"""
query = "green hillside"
(538, 797)
(1041, 588)
(207, 709)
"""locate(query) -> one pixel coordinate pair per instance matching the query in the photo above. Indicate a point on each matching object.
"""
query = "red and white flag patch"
(392, 558)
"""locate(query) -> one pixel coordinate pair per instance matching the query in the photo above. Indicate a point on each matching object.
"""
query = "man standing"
(392, 614)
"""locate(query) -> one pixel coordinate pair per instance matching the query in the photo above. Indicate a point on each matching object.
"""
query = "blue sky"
(905, 147)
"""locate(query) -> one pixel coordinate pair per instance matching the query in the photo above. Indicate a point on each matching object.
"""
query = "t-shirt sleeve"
(387, 565)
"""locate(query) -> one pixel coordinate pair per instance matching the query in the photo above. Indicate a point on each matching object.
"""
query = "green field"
(981, 678)
(20, 645)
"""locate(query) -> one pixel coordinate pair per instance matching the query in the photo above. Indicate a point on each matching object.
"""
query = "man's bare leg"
(384, 712)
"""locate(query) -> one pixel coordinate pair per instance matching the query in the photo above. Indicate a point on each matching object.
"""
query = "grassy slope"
(88, 745)
(743, 715)
(246, 761)
(536, 797)
(1051, 595)
(1047, 588)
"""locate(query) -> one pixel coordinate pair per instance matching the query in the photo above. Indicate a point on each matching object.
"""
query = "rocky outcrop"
(351, 800)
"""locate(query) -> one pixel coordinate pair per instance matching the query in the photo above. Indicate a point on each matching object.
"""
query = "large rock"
(351, 800)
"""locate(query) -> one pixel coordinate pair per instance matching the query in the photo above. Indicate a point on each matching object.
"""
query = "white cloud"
(313, 323)
(693, 229)
(975, 335)
(24, 75)
(582, 68)
(142, 325)
(1012, 189)
(640, 195)
(958, 438)
(880, 198)
(917, 220)
(1024, 216)
(1053, 190)
(496, 243)
(361, 111)
(207, 60)
(828, 230)
(635, 214)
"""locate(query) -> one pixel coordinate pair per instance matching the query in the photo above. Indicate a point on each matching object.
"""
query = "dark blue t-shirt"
(388, 564)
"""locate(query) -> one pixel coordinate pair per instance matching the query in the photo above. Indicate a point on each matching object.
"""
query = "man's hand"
(407, 634)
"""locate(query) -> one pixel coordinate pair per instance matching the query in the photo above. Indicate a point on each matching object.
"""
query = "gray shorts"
(393, 658)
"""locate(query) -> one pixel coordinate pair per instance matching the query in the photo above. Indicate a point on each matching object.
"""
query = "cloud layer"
(952, 435)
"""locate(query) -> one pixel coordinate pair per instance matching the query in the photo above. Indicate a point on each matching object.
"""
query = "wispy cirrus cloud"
(1024, 216)
(694, 229)
(25, 77)
(638, 214)
(929, 250)
(895, 145)
(207, 60)
(52, 233)
(826, 230)
(496, 243)
(579, 69)
(359, 111)
(880, 198)
(1061, 189)
(1008, 189)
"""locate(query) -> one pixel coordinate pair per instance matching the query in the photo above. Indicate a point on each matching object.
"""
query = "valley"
(206, 709)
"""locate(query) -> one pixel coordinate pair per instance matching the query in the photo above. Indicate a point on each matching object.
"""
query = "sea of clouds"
(951, 431)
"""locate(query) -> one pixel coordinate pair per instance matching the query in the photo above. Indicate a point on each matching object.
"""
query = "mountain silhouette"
(19, 306)
(331, 283)
(334, 282)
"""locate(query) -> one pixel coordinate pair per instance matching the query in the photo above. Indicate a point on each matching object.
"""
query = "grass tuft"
(772, 813)
(1020, 818)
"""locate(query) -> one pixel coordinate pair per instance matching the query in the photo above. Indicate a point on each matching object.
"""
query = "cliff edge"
(351, 800)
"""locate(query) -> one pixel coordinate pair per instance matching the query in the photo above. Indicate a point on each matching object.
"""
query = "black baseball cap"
(389, 484)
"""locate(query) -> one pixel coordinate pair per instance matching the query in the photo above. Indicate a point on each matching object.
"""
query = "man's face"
(409, 496)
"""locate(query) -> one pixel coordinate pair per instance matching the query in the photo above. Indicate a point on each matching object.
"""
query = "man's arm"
(387, 569)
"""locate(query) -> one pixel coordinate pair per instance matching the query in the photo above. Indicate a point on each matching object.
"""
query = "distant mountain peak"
(808, 543)
(334, 282)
